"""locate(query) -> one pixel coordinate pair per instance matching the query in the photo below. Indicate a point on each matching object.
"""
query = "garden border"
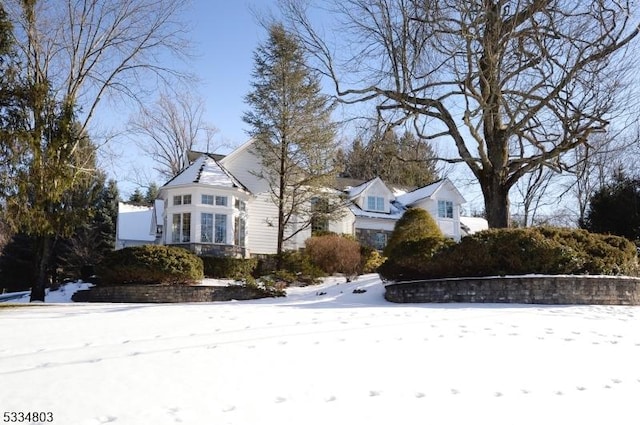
(529, 289)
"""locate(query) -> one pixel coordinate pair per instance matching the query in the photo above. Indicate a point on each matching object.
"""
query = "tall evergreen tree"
(403, 160)
(137, 198)
(290, 121)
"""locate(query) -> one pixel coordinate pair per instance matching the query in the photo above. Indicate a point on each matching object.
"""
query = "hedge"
(150, 264)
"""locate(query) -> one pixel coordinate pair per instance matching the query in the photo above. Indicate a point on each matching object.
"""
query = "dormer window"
(375, 203)
(445, 209)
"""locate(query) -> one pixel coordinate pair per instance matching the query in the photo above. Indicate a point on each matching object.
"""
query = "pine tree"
(404, 161)
(290, 121)
(137, 198)
(151, 194)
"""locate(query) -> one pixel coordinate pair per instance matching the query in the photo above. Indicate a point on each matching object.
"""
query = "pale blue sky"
(226, 34)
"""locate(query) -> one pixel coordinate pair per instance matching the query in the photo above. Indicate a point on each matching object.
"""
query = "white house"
(221, 206)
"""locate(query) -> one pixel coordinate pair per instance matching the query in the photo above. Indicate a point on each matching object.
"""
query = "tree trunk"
(43, 252)
(496, 202)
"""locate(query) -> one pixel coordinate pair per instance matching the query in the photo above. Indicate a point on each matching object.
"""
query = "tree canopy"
(513, 85)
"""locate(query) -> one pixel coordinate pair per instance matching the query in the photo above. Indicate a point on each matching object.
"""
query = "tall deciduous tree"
(513, 85)
(73, 54)
(290, 121)
(170, 128)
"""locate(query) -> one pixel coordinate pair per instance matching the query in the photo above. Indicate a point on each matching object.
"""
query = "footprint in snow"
(106, 419)
(616, 381)
(280, 399)
(498, 394)
(581, 388)
(227, 409)
(374, 393)
(419, 395)
(330, 399)
(454, 391)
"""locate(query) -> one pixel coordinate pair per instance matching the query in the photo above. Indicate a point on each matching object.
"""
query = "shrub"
(150, 264)
(415, 224)
(370, 259)
(496, 252)
(334, 254)
(296, 268)
(229, 268)
(410, 257)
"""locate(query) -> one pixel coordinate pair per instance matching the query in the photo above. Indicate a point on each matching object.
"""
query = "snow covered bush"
(334, 254)
(150, 264)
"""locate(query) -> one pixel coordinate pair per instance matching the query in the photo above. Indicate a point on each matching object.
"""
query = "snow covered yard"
(323, 355)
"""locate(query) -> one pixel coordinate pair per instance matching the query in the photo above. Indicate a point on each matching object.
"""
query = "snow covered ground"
(323, 355)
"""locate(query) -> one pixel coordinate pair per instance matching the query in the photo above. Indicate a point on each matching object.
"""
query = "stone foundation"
(520, 289)
(166, 294)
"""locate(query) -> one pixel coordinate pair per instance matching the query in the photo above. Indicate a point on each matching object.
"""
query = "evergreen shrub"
(334, 254)
(408, 258)
(150, 264)
(229, 268)
(296, 268)
(415, 224)
(370, 259)
(544, 250)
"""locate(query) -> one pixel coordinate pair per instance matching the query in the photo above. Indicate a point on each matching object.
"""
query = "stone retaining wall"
(166, 294)
(520, 289)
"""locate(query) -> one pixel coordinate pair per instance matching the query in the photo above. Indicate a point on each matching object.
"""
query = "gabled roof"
(428, 192)
(354, 192)
(237, 151)
(204, 170)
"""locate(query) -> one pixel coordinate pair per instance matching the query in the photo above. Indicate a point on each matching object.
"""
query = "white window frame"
(375, 203)
(445, 209)
(207, 199)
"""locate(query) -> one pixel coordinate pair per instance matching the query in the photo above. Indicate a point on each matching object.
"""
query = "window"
(380, 240)
(206, 228)
(220, 228)
(182, 200)
(181, 228)
(445, 209)
(221, 201)
(239, 231)
(375, 203)
(207, 199)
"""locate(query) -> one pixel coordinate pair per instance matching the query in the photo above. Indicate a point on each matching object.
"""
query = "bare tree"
(532, 189)
(514, 84)
(171, 127)
(593, 165)
(88, 50)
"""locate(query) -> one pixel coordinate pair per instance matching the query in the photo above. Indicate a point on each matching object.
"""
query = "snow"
(204, 170)
(322, 355)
